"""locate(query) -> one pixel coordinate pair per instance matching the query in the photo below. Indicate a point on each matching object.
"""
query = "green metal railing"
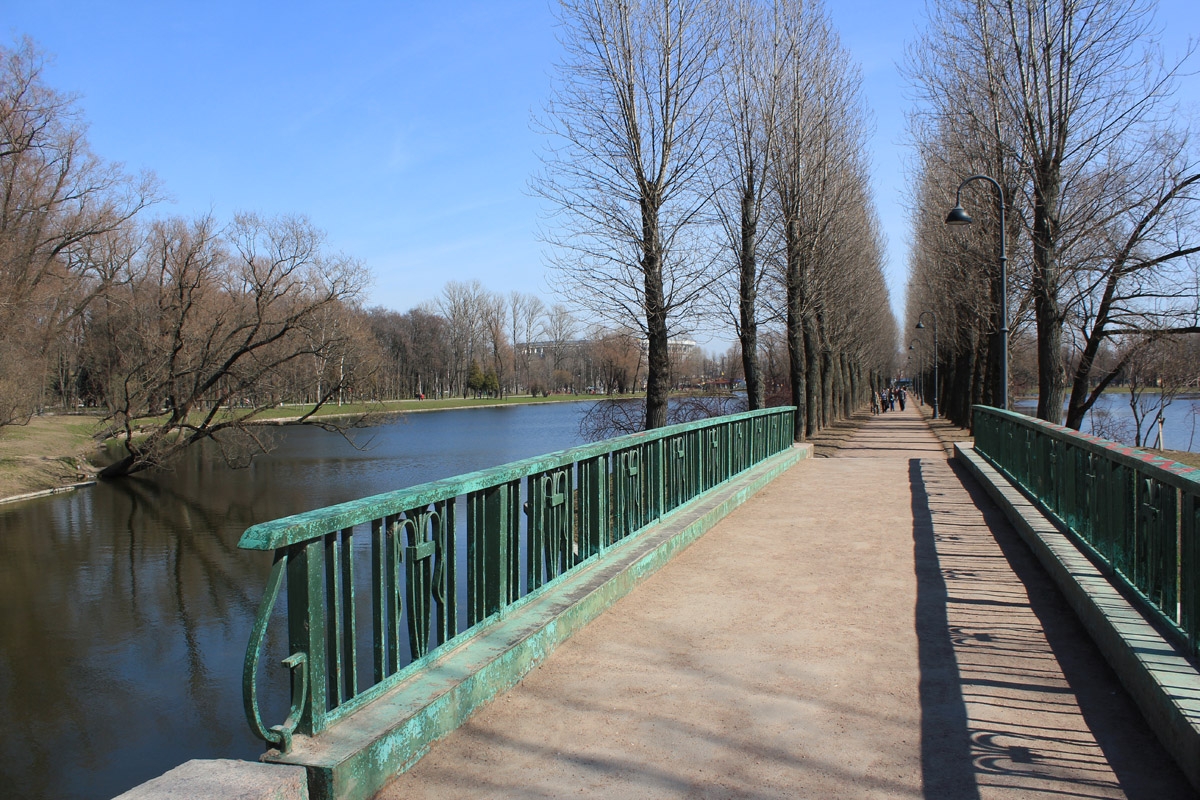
(1137, 512)
(511, 530)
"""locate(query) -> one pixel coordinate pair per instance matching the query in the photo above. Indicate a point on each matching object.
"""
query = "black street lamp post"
(921, 326)
(959, 217)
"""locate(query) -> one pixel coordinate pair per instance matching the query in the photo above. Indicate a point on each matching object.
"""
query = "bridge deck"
(867, 626)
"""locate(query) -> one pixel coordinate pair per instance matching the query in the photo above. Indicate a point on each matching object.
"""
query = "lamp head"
(958, 217)
(920, 326)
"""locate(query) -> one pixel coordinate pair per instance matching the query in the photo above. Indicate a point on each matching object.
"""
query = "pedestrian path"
(866, 626)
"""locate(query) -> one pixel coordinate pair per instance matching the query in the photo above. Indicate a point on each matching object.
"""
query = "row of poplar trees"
(1068, 106)
(707, 160)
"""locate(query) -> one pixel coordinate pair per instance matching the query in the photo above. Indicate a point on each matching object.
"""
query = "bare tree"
(61, 209)
(559, 330)
(525, 311)
(618, 357)
(630, 121)
(1064, 103)
(819, 184)
(500, 351)
(750, 82)
(198, 340)
(1138, 278)
(461, 305)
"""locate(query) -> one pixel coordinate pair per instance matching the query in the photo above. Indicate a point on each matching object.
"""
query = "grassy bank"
(58, 450)
(47, 453)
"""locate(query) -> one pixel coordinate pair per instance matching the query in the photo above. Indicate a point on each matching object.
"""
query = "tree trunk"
(747, 298)
(797, 354)
(1047, 313)
(658, 359)
(812, 368)
(830, 381)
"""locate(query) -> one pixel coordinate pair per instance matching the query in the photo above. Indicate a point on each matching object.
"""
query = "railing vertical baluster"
(1189, 568)
(349, 653)
(571, 545)
(333, 617)
(593, 506)
(658, 475)
(395, 591)
(493, 571)
(536, 537)
(379, 597)
(445, 581)
(1128, 531)
(306, 627)
(620, 495)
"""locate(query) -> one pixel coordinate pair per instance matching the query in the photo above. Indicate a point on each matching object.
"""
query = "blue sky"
(403, 129)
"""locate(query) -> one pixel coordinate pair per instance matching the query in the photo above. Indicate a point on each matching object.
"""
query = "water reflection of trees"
(125, 608)
(608, 418)
(116, 598)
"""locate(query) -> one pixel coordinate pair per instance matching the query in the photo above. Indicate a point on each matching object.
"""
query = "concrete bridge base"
(224, 779)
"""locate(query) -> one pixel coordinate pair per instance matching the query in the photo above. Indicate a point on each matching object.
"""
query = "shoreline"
(33, 476)
(17, 498)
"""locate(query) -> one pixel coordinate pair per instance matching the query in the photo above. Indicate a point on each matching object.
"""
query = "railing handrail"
(309, 525)
(1178, 475)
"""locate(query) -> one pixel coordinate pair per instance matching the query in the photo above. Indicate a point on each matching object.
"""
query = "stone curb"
(1163, 682)
(224, 779)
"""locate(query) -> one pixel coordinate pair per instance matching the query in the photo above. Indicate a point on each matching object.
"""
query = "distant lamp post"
(912, 348)
(959, 217)
(921, 327)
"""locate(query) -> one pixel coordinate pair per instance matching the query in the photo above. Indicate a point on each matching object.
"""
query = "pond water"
(1113, 418)
(125, 607)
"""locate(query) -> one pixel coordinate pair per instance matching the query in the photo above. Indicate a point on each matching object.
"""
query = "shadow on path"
(1142, 768)
(946, 762)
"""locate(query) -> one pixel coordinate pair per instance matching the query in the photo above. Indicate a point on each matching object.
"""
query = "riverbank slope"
(47, 453)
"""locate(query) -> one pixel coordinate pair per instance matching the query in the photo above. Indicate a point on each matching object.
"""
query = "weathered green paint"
(356, 757)
(1131, 509)
(575, 509)
(302, 527)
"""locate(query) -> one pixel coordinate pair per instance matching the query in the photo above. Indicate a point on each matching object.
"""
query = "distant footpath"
(57, 451)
